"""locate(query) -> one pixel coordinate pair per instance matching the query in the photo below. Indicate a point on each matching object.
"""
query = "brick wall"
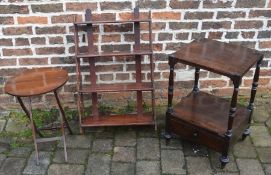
(40, 34)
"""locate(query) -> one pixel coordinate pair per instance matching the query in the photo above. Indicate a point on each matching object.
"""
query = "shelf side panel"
(94, 95)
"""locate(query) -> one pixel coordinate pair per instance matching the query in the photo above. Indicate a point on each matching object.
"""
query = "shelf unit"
(204, 118)
(95, 120)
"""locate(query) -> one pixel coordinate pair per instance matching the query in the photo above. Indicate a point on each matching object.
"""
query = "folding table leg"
(33, 131)
(62, 112)
(63, 137)
(28, 115)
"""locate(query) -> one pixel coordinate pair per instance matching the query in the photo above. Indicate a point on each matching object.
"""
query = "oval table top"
(36, 81)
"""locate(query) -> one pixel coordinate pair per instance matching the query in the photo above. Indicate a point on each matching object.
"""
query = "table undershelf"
(118, 120)
(209, 112)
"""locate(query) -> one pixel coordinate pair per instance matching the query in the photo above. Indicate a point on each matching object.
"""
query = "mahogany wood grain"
(209, 112)
(119, 120)
(222, 58)
(36, 81)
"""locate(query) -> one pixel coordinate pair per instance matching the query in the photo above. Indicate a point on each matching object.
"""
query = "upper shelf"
(111, 21)
(115, 53)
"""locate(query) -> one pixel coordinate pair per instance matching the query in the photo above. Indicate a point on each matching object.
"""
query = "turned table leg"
(252, 97)
(196, 83)
(170, 97)
(224, 159)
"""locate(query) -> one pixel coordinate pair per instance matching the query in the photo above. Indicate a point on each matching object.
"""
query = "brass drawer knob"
(195, 134)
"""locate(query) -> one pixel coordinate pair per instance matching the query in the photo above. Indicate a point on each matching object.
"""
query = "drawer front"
(197, 135)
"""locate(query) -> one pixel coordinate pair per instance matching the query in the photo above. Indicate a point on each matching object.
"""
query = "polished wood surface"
(94, 88)
(222, 58)
(209, 112)
(36, 81)
(119, 120)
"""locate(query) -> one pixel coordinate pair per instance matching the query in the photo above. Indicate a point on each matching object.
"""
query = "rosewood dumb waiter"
(38, 81)
(203, 118)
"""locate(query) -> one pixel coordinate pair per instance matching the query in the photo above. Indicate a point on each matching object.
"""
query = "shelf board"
(209, 112)
(115, 53)
(118, 87)
(113, 21)
(118, 120)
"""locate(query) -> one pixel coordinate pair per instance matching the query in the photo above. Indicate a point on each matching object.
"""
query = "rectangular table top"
(222, 58)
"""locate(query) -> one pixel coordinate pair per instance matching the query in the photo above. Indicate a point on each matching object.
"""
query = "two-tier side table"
(35, 82)
(201, 117)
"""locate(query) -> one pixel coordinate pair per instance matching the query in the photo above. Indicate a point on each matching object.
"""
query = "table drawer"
(197, 135)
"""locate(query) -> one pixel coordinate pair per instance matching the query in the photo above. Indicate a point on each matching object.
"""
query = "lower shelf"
(209, 112)
(118, 120)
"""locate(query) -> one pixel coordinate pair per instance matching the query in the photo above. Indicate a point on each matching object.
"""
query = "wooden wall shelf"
(138, 118)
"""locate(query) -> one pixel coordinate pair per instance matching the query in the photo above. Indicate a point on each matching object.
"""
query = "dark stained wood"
(95, 120)
(254, 85)
(94, 95)
(36, 81)
(232, 112)
(79, 96)
(197, 135)
(138, 61)
(209, 112)
(152, 69)
(115, 53)
(119, 120)
(171, 63)
(118, 87)
(222, 58)
(116, 21)
(196, 83)
(169, 112)
(206, 119)
(252, 96)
